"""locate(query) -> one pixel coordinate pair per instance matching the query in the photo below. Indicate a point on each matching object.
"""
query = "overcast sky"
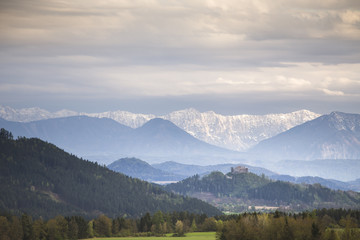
(156, 56)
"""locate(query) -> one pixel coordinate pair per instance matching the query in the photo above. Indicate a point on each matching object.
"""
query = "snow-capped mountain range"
(238, 132)
(32, 114)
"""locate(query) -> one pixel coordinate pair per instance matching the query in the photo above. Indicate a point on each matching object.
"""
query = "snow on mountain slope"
(238, 132)
(32, 114)
(127, 118)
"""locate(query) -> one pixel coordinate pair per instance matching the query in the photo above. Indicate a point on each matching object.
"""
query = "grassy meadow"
(189, 236)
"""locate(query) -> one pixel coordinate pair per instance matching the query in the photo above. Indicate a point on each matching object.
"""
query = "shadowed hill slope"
(38, 178)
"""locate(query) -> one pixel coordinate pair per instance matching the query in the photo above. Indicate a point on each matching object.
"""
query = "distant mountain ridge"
(238, 132)
(189, 170)
(344, 170)
(32, 114)
(137, 168)
(78, 134)
(332, 136)
(173, 171)
(169, 138)
(103, 140)
(329, 183)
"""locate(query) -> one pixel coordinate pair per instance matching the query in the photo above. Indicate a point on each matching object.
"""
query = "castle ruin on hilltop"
(239, 169)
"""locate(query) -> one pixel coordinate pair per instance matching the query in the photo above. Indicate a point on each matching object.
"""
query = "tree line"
(324, 224)
(24, 227)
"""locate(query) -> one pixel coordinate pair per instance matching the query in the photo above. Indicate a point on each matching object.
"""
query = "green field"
(189, 236)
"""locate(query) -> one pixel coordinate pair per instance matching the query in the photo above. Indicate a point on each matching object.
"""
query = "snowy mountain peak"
(236, 132)
(32, 114)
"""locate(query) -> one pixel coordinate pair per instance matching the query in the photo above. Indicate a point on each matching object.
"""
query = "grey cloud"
(153, 49)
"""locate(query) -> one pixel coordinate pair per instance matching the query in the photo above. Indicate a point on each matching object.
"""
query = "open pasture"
(189, 236)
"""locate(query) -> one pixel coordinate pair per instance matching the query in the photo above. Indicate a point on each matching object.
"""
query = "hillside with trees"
(42, 180)
(323, 224)
(238, 192)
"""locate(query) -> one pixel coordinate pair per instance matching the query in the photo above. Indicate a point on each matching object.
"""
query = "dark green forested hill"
(248, 189)
(42, 180)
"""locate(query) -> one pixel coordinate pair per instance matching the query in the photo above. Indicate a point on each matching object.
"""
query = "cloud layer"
(281, 50)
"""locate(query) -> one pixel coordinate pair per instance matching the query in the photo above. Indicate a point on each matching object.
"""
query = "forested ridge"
(40, 179)
(252, 188)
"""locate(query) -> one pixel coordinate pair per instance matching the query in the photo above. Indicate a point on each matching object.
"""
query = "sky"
(157, 56)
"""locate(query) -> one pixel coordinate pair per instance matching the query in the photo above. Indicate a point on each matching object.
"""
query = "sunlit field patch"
(189, 236)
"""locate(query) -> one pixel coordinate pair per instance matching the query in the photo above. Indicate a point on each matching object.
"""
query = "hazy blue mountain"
(104, 140)
(80, 135)
(333, 136)
(191, 170)
(340, 169)
(172, 171)
(329, 183)
(237, 132)
(159, 136)
(137, 168)
(355, 185)
(160, 140)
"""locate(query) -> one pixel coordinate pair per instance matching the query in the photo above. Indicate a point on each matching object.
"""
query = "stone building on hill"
(239, 169)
